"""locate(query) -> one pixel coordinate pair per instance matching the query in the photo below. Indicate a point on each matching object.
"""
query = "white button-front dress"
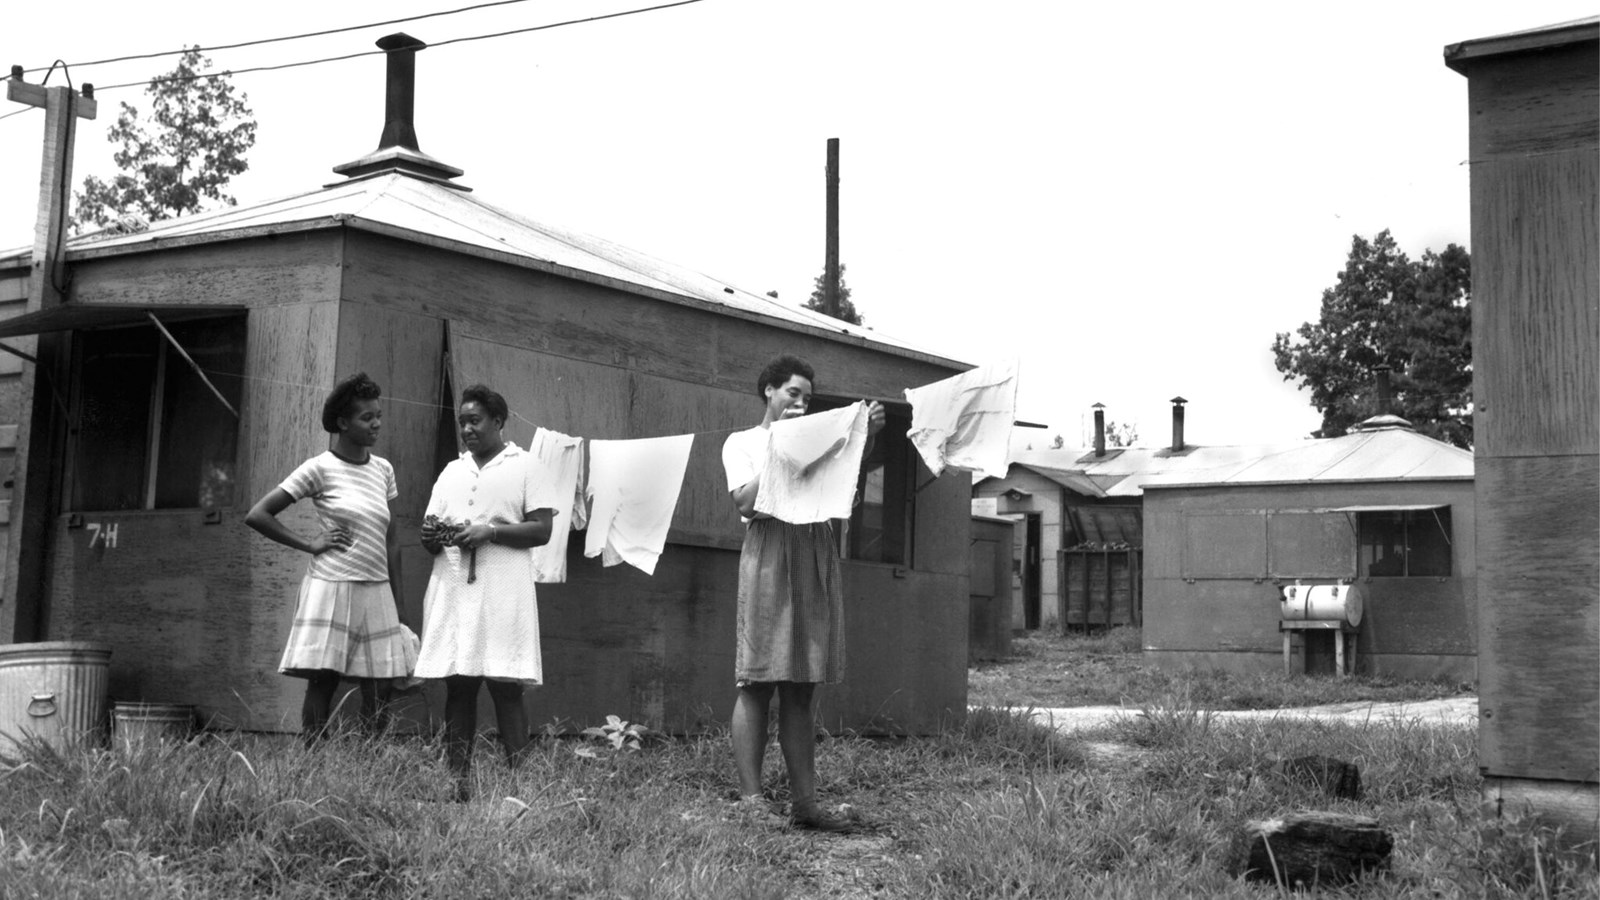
(490, 626)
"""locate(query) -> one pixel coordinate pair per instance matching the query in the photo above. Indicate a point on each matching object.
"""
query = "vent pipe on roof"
(398, 150)
(1099, 429)
(1177, 424)
(1385, 392)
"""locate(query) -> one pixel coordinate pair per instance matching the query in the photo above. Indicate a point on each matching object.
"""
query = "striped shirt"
(353, 495)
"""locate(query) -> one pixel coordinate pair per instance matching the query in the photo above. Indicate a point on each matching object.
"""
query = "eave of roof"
(1461, 55)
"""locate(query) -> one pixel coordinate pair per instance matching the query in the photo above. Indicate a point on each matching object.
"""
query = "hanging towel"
(634, 486)
(559, 460)
(812, 465)
(964, 422)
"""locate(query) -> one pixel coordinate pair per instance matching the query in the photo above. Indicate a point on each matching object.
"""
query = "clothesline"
(962, 422)
(314, 388)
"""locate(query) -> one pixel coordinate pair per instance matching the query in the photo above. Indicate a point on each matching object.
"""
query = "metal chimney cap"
(1179, 400)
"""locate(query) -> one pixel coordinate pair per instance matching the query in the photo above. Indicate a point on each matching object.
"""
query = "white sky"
(1131, 198)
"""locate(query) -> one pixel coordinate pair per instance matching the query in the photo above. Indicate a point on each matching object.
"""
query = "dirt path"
(1452, 711)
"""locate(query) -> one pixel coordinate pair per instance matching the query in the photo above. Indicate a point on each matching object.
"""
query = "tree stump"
(1309, 849)
(1334, 777)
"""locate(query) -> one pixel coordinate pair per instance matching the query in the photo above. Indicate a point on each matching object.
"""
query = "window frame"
(849, 530)
(158, 413)
(1413, 520)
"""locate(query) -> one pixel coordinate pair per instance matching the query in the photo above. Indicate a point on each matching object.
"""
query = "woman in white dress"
(480, 618)
(346, 623)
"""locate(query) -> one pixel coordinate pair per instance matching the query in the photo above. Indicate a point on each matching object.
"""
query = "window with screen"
(1405, 543)
(149, 433)
(879, 529)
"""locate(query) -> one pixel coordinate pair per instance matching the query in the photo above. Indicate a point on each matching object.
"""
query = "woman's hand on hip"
(336, 538)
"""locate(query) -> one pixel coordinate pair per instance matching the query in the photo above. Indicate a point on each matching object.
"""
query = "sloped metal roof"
(1380, 454)
(1460, 55)
(413, 208)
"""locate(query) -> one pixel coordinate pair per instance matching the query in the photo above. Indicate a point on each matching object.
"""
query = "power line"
(292, 37)
(477, 37)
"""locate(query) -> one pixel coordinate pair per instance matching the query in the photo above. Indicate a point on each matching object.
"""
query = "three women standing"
(480, 618)
(346, 623)
(791, 608)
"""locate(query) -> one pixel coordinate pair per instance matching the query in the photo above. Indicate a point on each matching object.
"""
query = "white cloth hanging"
(559, 459)
(634, 486)
(812, 465)
(964, 422)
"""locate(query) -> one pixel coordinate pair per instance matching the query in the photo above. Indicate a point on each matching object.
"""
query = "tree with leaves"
(818, 301)
(1121, 434)
(183, 155)
(1413, 316)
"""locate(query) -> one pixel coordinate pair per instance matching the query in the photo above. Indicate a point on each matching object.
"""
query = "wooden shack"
(1383, 507)
(1534, 148)
(401, 271)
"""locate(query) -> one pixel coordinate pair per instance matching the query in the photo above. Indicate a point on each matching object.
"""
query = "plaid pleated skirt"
(350, 627)
(791, 604)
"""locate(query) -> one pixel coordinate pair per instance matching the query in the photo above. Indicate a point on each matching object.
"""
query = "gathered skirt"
(349, 627)
(791, 605)
(488, 626)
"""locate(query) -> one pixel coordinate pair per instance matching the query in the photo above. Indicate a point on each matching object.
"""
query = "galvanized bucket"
(53, 692)
(135, 725)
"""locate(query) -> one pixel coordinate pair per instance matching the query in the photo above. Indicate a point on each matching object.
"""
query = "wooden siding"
(266, 271)
(1538, 526)
(608, 327)
(1101, 587)
(13, 302)
(1534, 137)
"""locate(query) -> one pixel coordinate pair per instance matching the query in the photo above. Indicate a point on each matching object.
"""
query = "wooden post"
(22, 591)
(830, 266)
(1105, 563)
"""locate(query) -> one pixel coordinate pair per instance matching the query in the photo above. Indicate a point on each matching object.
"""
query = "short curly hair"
(489, 399)
(780, 370)
(344, 397)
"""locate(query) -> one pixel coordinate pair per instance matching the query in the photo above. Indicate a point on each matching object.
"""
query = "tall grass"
(997, 806)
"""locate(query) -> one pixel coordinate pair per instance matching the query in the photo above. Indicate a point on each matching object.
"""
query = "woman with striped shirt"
(346, 624)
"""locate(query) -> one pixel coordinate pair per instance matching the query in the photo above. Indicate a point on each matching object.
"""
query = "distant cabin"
(1382, 508)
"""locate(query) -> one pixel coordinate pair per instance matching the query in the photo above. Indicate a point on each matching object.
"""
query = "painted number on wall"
(104, 533)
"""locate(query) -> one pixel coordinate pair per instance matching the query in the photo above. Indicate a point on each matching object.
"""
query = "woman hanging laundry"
(790, 620)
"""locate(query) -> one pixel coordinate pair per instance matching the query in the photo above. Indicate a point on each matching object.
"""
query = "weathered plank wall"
(1205, 597)
(13, 302)
(1534, 136)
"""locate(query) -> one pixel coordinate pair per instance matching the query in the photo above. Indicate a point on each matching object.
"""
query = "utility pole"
(22, 589)
(830, 264)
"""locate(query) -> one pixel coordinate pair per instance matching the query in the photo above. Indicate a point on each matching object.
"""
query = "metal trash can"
(53, 692)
